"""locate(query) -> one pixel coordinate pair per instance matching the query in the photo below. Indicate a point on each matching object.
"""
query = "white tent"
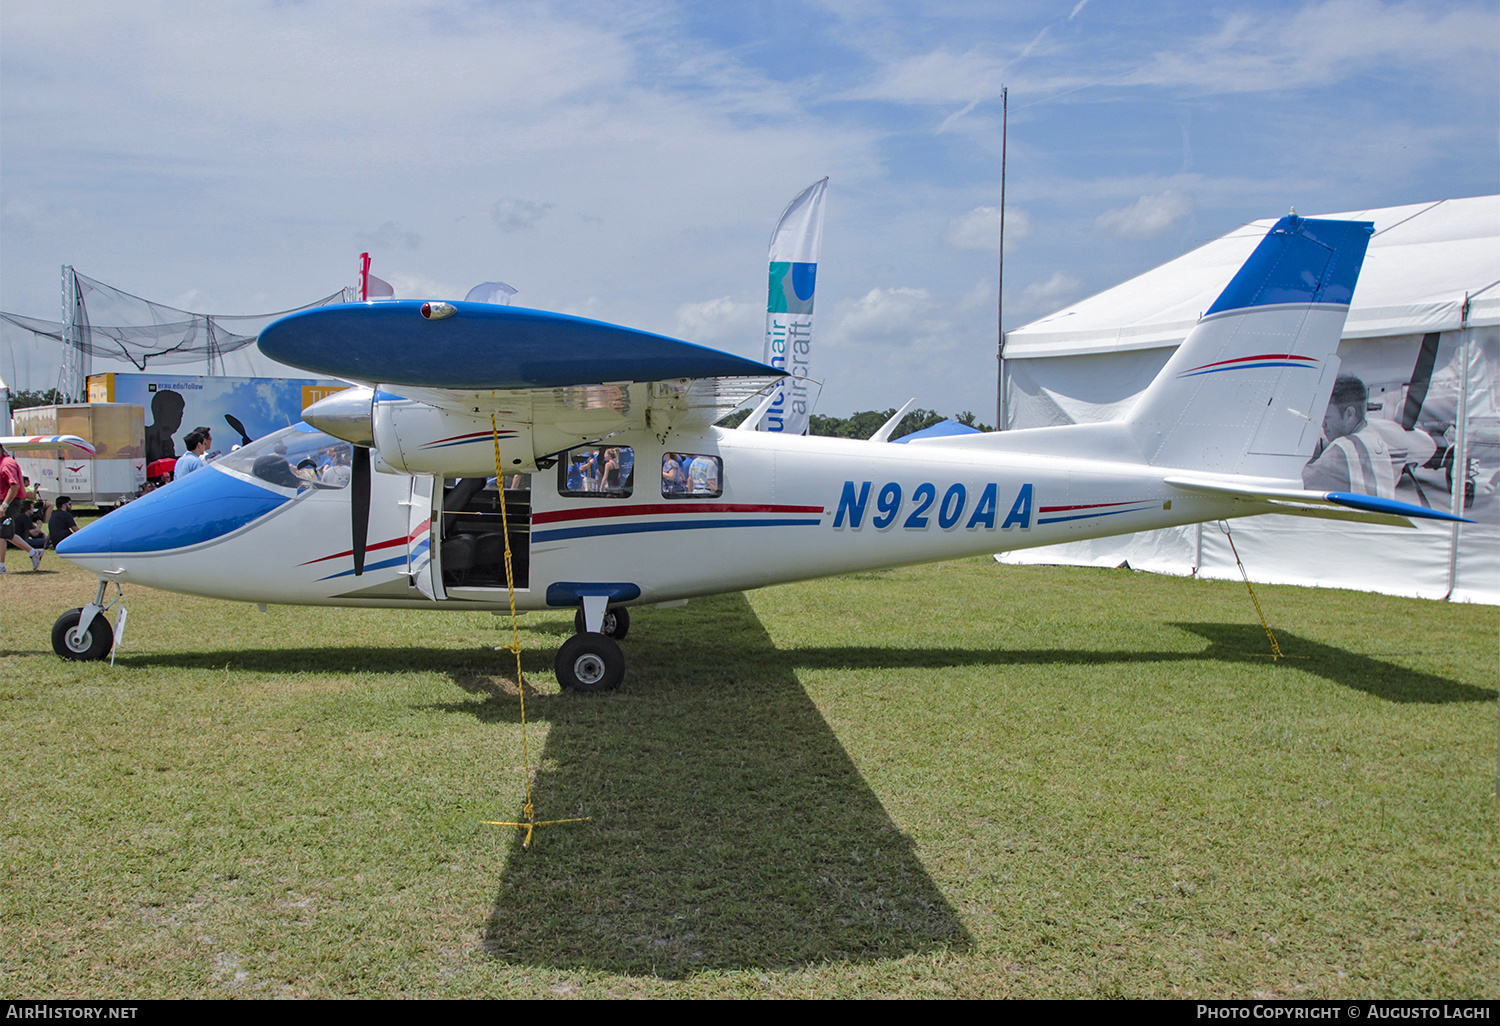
(1424, 335)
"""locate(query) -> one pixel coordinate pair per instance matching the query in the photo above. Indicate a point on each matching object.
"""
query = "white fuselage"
(789, 509)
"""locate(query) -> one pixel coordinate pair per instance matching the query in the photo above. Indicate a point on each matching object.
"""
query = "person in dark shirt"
(32, 524)
(61, 523)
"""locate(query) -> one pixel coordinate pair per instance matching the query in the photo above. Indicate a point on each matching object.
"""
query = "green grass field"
(959, 780)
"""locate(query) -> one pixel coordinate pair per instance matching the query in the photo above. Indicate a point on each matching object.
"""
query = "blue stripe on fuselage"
(565, 533)
(1091, 516)
(384, 564)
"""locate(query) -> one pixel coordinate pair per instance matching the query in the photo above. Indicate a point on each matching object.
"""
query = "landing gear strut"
(616, 623)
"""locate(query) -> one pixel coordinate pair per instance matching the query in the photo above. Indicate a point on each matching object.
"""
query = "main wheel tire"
(590, 662)
(85, 644)
(616, 623)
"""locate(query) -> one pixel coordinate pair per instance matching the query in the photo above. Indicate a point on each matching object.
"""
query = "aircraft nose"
(202, 507)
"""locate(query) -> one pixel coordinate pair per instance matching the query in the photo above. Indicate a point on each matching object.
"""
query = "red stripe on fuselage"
(471, 434)
(1250, 359)
(349, 552)
(1092, 505)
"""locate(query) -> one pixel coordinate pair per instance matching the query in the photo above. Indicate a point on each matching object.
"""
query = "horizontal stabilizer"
(1374, 504)
(71, 444)
(1328, 505)
(481, 346)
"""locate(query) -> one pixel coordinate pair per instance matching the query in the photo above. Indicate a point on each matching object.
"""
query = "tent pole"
(1460, 449)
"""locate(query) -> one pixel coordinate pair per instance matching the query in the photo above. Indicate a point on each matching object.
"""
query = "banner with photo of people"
(1412, 417)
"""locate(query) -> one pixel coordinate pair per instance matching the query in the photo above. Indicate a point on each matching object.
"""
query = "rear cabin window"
(687, 475)
(606, 472)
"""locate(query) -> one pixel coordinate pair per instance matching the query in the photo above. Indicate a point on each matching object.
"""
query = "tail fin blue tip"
(1300, 260)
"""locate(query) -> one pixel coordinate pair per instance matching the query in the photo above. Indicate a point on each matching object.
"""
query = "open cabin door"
(473, 529)
(421, 538)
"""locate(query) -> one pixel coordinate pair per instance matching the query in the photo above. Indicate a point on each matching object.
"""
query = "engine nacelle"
(416, 438)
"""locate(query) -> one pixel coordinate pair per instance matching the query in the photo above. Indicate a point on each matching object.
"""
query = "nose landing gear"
(84, 634)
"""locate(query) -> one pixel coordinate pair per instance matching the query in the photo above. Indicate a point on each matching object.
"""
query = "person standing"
(10, 512)
(197, 444)
(210, 453)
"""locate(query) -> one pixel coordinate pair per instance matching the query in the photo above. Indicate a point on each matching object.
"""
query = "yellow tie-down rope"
(1223, 526)
(528, 812)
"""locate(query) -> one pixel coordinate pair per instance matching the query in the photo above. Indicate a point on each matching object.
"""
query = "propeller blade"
(359, 509)
(234, 422)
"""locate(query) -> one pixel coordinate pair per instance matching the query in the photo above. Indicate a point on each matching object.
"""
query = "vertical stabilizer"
(1245, 391)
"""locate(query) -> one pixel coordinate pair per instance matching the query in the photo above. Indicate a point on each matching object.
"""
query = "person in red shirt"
(11, 484)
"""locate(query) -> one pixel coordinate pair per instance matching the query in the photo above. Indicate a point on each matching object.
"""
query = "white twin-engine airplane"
(592, 449)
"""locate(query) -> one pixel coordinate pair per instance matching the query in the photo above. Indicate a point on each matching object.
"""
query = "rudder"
(1245, 392)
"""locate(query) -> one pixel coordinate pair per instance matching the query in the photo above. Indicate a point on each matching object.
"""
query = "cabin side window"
(604, 472)
(686, 475)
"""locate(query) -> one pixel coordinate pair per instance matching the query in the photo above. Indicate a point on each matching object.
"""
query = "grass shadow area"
(459, 664)
(1238, 642)
(1228, 643)
(728, 828)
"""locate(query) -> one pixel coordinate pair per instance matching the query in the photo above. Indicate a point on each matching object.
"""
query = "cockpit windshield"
(298, 457)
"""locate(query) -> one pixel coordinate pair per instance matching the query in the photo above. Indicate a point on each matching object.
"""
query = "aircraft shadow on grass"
(1228, 642)
(729, 829)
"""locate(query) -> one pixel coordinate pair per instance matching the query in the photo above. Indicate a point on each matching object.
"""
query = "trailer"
(114, 475)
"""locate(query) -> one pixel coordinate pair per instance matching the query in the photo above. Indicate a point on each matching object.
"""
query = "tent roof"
(1422, 259)
(942, 429)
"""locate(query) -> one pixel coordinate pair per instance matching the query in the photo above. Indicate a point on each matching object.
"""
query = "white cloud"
(1051, 292)
(715, 318)
(416, 286)
(21, 217)
(981, 296)
(1329, 42)
(898, 316)
(192, 300)
(885, 311)
(516, 215)
(939, 76)
(980, 229)
(389, 236)
(1147, 217)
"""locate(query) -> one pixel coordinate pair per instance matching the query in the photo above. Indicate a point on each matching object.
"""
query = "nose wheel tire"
(85, 643)
(616, 623)
(590, 662)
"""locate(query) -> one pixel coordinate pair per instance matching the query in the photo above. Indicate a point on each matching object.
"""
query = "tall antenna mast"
(1000, 291)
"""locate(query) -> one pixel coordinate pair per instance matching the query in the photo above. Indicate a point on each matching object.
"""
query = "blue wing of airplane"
(481, 346)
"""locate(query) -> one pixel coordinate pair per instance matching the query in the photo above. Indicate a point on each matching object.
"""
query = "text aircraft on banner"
(588, 452)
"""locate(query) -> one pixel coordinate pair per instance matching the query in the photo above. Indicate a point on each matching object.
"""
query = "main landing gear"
(84, 634)
(592, 660)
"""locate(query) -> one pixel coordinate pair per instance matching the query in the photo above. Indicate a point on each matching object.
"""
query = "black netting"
(114, 325)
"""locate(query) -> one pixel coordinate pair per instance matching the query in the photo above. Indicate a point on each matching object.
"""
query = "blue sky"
(628, 161)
